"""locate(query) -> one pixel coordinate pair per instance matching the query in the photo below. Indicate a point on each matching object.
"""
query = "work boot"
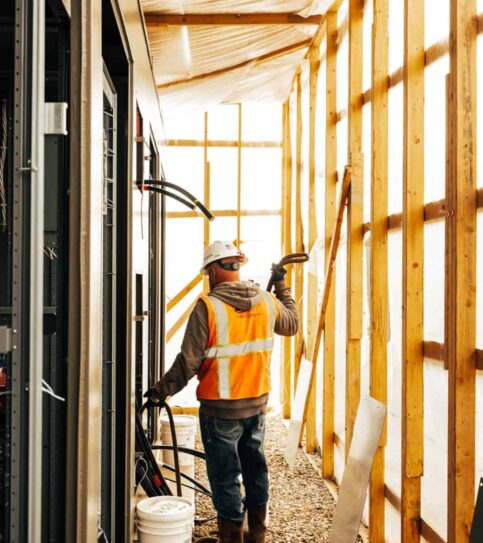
(229, 532)
(256, 525)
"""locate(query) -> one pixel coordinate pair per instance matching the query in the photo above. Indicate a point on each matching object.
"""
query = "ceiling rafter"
(163, 19)
(262, 58)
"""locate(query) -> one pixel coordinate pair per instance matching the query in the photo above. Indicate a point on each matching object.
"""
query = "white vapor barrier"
(184, 166)
(395, 148)
(261, 122)
(479, 344)
(223, 177)
(434, 277)
(261, 174)
(223, 123)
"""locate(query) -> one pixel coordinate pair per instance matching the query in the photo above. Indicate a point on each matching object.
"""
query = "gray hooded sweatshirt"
(243, 295)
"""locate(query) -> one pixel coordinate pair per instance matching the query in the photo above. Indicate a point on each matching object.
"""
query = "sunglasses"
(229, 266)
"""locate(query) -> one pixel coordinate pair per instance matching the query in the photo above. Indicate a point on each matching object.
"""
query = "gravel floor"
(300, 505)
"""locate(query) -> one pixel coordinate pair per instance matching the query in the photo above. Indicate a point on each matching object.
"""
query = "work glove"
(155, 398)
(278, 274)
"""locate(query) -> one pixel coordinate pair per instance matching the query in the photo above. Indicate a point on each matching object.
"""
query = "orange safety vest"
(237, 358)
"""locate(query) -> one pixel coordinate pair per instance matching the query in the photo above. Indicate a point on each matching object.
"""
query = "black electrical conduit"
(146, 184)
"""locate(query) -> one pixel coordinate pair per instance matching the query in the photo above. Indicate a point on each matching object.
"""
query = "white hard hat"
(218, 250)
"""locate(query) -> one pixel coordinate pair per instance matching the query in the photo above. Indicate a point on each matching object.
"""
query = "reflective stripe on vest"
(223, 350)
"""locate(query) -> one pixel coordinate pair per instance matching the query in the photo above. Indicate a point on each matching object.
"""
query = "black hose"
(181, 449)
(175, 448)
(201, 487)
(162, 183)
(293, 258)
(171, 195)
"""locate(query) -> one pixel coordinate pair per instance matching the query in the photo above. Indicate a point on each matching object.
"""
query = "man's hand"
(155, 398)
(278, 274)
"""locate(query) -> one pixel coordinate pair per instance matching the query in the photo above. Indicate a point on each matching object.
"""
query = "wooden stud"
(329, 274)
(328, 399)
(154, 19)
(206, 195)
(287, 246)
(413, 257)
(223, 143)
(378, 254)
(272, 55)
(183, 292)
(354, 219)
(239, 178)
(311, 438)
(461, 194)
(299, 234)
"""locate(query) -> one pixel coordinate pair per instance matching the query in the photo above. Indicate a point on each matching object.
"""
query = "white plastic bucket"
(165, 519)
(185, 426)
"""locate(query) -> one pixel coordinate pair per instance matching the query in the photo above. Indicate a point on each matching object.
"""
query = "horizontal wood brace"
(223, 143)
(192, 19)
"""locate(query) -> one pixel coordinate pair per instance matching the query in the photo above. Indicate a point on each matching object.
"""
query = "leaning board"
(353, 489)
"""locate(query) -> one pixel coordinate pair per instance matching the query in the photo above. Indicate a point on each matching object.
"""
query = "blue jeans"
(233, 447)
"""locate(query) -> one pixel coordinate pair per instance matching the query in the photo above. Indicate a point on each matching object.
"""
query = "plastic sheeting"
(181, 53)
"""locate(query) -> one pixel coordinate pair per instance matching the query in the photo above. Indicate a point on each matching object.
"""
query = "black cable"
(293, 258)
(175, 447)
(181, 449)
(201, 487)
(171, 195)
(163, 183)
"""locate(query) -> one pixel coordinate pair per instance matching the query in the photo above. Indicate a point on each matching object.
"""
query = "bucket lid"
(165, 508)
(180, 420)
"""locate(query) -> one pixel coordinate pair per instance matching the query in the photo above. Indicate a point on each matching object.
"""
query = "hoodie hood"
(242, 295)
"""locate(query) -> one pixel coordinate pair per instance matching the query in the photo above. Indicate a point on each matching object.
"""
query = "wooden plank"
(479, 359)
(434, 350)
(206, 195)
(287, 246)
(479, 197)
(223, 143)
(272, 55)
(328, 398)
(378, 254)
(183, 292)
(299, 234)
(413, 258)
(224, 213)
(154, 19)
(239, 178)
(334, 246)
(310, 437)
(354, 219)
(461, 254)
(179, 323)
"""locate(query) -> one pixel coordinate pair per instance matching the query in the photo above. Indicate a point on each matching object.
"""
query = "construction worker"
(227, 344)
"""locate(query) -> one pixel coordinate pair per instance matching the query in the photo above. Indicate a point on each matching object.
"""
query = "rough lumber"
(179, 323)
(223, 213)
(311, 438)
(328, 399)
(378, 255)
(461, 200)
(413, 257)
(354, 219)
(222, 143)
(183, 292)
(334, 246)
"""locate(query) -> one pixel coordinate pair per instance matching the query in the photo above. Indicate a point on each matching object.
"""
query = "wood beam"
(311, 438)
(287, 248)
(328, 399)
(272, 55)
(299, 234)
(412, 435)
(354, 219)
(183, 292)
(378, 255)
(154, 19)
(461, 265)
(179, 323)
(206, 195)
(223, 213)
(223, 143)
